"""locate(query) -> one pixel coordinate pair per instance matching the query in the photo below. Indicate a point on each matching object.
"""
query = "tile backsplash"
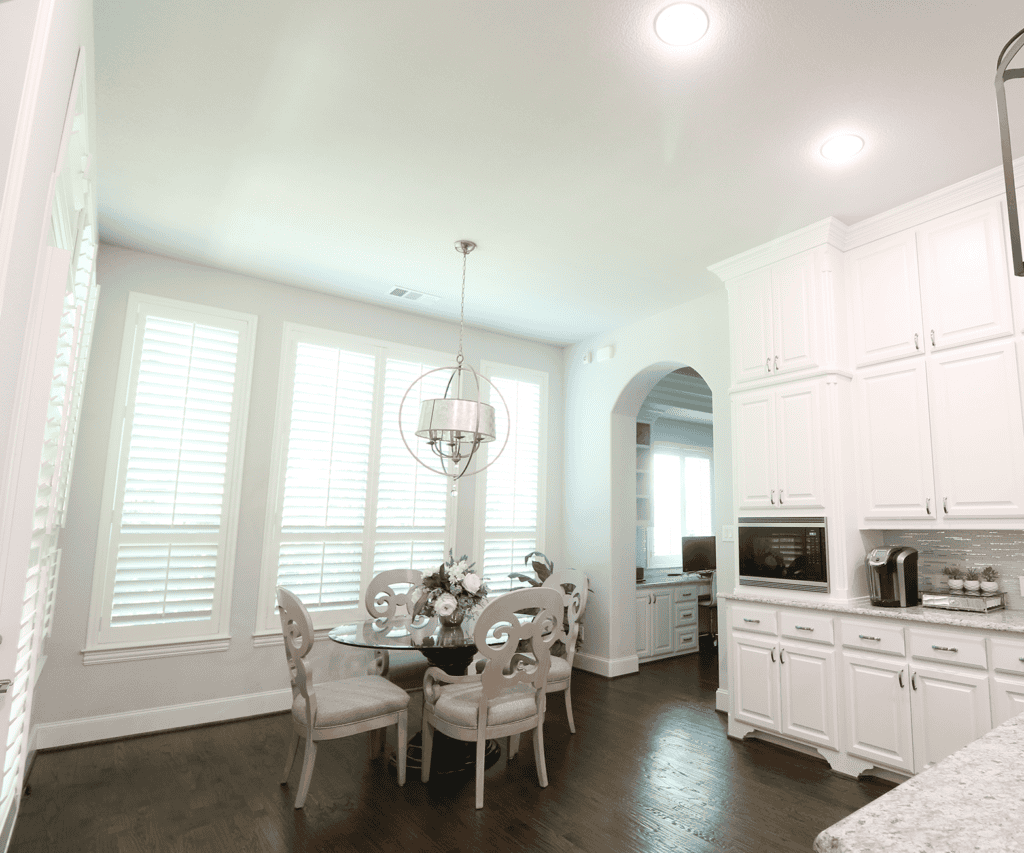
(966, 549)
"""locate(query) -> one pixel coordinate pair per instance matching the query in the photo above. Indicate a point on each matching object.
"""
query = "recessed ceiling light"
(681, 24)
(842, 147)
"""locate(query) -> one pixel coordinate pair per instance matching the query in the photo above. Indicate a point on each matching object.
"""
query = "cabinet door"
(755, 681)
(643, 625)
(750, 314)
(662, 633)
(754, 418)
(809, 694)
(795, 315)
(977, 431)
(885, 299)
(965, 288)
(878, 710)
(1007, 698)
(950, 708)
(895, 467)
(798, 446)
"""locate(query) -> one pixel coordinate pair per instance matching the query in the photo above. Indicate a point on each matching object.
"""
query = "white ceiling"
(344, 145)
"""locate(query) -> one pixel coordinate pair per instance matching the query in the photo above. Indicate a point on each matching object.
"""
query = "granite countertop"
(663, 577)
(972, 800)
(1011, 621)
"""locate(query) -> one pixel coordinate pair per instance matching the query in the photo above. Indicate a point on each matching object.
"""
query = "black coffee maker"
(892, 577)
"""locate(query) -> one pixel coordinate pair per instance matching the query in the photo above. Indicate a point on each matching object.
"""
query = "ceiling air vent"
(414, 296)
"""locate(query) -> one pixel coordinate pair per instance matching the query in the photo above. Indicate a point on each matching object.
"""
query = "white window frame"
(268, 628)
(185, 637)
(496, 370)
(682, 451)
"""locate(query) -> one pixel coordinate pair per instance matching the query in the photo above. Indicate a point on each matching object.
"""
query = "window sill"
(274, 638)
(135, 651)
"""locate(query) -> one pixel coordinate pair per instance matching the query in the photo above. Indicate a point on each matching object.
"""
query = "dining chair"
(341, 708)
(395, 593)
(573, 585)
(505, 696)
(709, 608)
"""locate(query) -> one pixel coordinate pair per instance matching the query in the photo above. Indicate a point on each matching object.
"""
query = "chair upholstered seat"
(458, 705)
(574, 586)
(561, 670)
(352, 700)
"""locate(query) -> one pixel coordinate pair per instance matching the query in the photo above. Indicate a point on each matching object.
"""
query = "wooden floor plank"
(650, 770)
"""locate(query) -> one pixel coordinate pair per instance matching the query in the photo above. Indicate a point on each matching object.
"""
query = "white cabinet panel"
(795, 327)
(643, 625)
(756, 681)
(950, 708)
(750, 314)
(809, 694)
(895, 442)
(666, 620)
(965, 285)
(878, 710)
(1007, 698)
(977, 431)
(798, 445)
(885, 299)
(661, 620)
(754, 416)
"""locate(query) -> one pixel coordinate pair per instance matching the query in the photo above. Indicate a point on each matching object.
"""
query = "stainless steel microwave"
(784, 553)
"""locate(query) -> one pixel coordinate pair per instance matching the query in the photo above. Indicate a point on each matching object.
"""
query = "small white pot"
(955, 585)
(972, 586)
(990, 586)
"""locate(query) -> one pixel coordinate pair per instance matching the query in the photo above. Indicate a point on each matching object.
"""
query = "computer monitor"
(698, 553)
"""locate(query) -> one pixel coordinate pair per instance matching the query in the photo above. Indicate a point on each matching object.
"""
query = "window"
(170, 500)
(681, 478)
(510, 505)
(349, 500)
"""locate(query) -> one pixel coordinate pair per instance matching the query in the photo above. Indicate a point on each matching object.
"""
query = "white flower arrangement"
(452, 588)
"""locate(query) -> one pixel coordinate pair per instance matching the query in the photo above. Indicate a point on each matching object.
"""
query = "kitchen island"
(973, 800)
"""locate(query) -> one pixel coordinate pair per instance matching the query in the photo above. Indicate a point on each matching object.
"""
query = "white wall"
(602, 401)
(70, 695)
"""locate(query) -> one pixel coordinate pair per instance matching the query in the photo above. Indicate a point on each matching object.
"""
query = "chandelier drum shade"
(456, 425)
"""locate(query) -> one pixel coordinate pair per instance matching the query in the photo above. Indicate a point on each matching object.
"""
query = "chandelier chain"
(462, 305)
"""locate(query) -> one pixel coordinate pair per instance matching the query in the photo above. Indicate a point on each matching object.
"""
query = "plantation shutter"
(171, 531)
(512, 485)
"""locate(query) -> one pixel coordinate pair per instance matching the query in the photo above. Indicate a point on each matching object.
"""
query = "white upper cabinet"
(885, 300)
(965, 283)
(776, 320)
(977, 431)
(778, 447)
(940, 285)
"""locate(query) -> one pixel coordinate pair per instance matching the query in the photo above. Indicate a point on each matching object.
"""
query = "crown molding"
(830, 232)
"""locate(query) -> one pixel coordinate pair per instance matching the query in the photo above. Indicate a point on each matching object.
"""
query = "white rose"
(446, 604)
(471, 583)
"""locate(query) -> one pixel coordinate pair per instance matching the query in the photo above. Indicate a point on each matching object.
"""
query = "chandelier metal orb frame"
(455, 426)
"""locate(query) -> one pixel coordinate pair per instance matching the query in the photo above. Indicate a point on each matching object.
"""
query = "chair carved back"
(504, 665)
(382, 599)
(297, 628)
(574, 586)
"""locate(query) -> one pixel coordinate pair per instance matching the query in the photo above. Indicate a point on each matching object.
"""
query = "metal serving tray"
(977, 602)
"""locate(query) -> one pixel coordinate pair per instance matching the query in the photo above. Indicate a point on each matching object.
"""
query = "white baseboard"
(722, 700)
(146, 721)
(608, 667)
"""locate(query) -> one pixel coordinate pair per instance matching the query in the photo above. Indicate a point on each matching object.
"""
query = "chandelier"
(456, 425)
(1004, 73)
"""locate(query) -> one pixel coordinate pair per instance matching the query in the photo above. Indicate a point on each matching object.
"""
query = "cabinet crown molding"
(827, 232)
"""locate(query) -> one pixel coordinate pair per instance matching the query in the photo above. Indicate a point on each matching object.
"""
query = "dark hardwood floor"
(650, 769)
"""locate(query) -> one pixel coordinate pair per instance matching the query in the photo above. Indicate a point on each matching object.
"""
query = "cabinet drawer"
(1008, 656)
(948, 647)
(873, 636)
(807, 626)
(682, 594)
(686, 614)
(754, 619)
(686, 638)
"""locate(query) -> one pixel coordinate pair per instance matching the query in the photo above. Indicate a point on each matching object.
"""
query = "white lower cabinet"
(950, 708)
(666, 620)
(1007, 684)
(878, 710)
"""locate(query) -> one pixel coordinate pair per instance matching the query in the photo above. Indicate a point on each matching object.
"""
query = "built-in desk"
(667, 621)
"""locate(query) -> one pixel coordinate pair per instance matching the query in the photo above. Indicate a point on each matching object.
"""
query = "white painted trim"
(22, 142)
(722, 700)
(261, 639)
(122, 653)
(608, 667)
(829, 231)
(147, 720)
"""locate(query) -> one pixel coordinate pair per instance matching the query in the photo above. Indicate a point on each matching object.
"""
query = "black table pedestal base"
(449, 756)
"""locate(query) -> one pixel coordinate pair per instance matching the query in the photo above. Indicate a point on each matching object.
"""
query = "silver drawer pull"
(755, 621)
(5, 685)
(687, 639)
(866, 637)
(1021, 660)
(944, 648)
(802, 628)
